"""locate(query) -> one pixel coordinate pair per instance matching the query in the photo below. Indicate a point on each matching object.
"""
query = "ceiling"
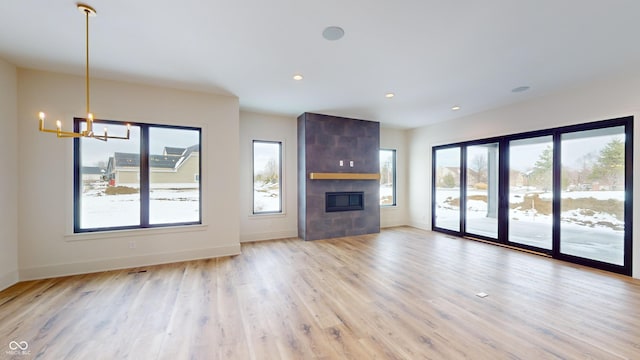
(431, 54)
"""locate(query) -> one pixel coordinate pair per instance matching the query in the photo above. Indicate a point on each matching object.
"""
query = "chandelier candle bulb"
(59, 124)
(89, 122)
(41, 116)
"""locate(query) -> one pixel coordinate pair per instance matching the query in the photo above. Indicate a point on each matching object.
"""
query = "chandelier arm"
(89, 122)
(88, 133)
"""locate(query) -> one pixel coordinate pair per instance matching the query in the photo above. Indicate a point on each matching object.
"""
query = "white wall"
(396, 215)
(47, 246)
(255, 126)
(599, 100)
(8, 175)
(419, 143)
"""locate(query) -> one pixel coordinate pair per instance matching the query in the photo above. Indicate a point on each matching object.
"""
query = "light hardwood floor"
(400, 294)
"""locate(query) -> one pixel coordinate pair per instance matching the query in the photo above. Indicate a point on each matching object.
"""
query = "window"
(566, 192)
(446, 194)
(267, 177)
(152, 179)
(387, 177)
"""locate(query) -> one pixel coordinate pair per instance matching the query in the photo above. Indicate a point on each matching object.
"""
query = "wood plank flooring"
(400, 294)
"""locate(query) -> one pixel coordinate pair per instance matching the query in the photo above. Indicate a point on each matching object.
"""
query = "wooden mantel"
(343, 176)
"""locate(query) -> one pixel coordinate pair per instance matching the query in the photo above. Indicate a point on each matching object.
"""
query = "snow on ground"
(171, 203)
(586, 217)
(598, 195)
(584, 232)
(266, 197)
(266, 201)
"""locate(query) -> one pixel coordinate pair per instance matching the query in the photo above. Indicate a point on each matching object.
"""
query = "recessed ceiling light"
(389, 95)
(520, 89)
(456, 108)
(298, 77)
(333, 33)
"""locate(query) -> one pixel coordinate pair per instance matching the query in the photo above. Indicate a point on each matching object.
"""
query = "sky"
(262, 153)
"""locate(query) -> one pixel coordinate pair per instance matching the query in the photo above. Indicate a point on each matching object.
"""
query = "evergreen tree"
(448, 181)
(609, 167)
(543, 169)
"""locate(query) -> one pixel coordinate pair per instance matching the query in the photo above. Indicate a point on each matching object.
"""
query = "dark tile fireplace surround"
(329, 144)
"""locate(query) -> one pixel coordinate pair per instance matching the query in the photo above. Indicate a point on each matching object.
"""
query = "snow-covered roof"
(172, 158)
(92, 170)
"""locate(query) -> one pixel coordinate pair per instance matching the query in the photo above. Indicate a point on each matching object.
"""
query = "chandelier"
(87, 11)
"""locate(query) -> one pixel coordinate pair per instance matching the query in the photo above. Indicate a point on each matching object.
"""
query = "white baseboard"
(8, 279)
(43, 272)
(392, 224)
(269, 236)
(420, 225)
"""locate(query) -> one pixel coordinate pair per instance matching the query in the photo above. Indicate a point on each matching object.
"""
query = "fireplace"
(332, 206)
(344, 201)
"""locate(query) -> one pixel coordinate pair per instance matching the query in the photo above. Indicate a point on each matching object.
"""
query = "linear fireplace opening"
(344, 201)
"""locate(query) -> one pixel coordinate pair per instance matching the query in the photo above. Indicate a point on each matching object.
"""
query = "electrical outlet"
(132, 244)
(351, 163)
(341, 163)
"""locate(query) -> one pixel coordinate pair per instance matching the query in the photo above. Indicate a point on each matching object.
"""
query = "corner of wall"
(9, 279)
(9, 175)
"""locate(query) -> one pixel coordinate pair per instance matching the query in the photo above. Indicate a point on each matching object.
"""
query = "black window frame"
(144, 176)
(395, 171)
(280, 182)
(503, 223)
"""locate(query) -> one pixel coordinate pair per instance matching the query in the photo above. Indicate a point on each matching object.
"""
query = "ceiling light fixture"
(333, 33)
(456, 108)
(87, 11)
(389, 95)
(297, 77)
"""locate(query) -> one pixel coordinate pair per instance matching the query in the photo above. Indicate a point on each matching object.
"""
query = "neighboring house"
(174, 166)
(173, 151)
(92, 173)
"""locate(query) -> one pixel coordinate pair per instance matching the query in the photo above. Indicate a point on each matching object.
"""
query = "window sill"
(267, 216)
(89, 236)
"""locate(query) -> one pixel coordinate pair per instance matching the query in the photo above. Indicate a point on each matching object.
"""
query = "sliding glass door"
(481, 200)
(446, 180)
(566, 192)
(592, 221)
(531, 191)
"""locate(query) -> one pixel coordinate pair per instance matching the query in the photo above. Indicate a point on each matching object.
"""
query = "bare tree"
(479, 166)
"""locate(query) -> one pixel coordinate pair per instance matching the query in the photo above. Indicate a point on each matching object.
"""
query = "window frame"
(280, 179)
(143, 174)
(394, 154)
